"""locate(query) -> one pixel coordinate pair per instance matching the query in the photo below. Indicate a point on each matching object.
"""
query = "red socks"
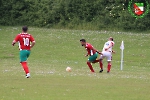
(90, 66)
(25, 67)
(101, 65)
(108, 67)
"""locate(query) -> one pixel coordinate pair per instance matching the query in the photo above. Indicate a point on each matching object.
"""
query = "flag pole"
(122, 48)
(121, 67)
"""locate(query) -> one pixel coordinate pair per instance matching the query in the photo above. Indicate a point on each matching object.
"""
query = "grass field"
(56, 49)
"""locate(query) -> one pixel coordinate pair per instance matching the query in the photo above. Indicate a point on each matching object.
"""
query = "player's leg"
(109, 58)
(101, 65)
(101, 62)
(23, 61)
(90, 66)
(108, 66)
(28, 54)
(97, 60)
(92, 59)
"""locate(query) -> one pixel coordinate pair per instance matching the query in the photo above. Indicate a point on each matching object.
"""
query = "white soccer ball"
(68, 69)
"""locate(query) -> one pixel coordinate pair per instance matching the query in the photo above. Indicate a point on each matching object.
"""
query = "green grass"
(56, 49)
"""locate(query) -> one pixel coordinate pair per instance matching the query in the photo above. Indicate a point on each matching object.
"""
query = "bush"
(88, 14)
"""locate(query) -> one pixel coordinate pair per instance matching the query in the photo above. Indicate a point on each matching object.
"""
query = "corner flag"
(122, 45)
(122, 48)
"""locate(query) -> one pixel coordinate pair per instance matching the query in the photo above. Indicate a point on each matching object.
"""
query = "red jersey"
(24, 40)
(89, 49)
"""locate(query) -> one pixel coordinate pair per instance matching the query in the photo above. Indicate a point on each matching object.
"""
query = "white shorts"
(106, 54)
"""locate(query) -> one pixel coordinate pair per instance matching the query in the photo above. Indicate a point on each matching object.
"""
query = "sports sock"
(25, 67)
(101, 65)
(108, 67)
(90, 66)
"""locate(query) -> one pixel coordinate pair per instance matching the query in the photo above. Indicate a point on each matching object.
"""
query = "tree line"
(73, 14)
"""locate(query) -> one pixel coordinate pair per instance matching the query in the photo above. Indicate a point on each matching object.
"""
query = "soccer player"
(24, 40)
(107, 52)
(92, 52)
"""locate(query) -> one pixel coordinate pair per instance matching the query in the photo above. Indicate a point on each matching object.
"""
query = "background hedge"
(72, 14)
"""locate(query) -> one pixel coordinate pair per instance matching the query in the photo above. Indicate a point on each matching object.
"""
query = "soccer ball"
(68, 69)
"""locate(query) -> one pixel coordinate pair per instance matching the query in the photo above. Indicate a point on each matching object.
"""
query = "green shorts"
(93, 57)
(24, 54)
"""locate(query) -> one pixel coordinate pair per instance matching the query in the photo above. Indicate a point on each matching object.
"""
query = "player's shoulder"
(28, 34)
(88, 45)
(112, 42)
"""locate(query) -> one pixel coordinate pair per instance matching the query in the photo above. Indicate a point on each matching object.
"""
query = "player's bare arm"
(86, 54)
(33, 43)
(13, 43)
(113, 51)
(97, 51)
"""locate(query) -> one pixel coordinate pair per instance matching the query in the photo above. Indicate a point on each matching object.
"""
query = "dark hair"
(83, 40)
(25, 28)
